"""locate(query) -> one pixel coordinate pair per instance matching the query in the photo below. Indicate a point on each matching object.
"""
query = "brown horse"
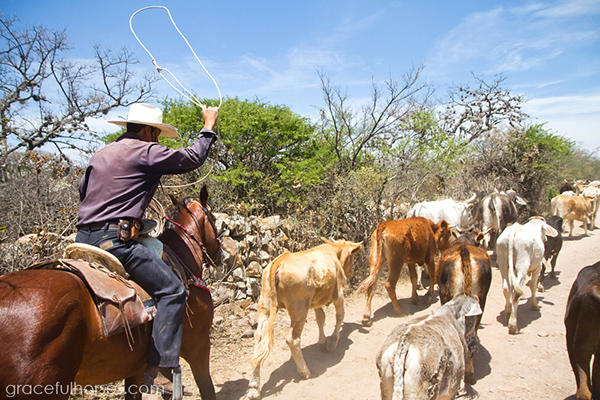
(50, 339)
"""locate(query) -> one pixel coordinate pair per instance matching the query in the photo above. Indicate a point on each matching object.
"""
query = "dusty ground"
(531, 365)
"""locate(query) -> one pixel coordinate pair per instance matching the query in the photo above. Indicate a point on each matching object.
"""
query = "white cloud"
(576, 117)
(515, 39)
(569, 8)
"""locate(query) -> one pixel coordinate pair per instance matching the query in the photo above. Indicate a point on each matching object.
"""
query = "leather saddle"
(121, 303)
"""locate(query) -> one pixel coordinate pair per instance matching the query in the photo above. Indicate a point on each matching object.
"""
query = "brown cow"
(582, 323)
(465, 268)
(412, 241)
(571, 208)
(298, 282)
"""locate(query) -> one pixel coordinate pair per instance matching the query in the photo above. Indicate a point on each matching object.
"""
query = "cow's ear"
(326, 240)
(480, 237)
(356, 248)
(550, 231)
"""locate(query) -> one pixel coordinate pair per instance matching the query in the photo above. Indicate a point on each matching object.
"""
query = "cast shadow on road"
(525, 315)
(574, 238)
(318, 361)
(549, 283)
(408, 308)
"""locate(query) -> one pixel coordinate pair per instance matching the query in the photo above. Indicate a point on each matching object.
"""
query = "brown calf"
(412, 241)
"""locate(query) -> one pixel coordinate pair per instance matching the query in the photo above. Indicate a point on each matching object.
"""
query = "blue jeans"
(157, 279)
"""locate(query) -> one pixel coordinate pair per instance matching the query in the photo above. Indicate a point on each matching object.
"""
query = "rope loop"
(188, 95)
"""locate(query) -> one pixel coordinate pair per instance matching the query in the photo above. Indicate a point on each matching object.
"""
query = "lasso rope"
(190, 96)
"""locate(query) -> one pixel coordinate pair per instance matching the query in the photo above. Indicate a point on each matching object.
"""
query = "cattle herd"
(429, 357)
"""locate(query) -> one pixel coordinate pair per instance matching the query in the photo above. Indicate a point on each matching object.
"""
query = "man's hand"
(210, 115)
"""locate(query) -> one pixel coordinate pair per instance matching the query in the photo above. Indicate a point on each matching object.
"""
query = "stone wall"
(249, 244)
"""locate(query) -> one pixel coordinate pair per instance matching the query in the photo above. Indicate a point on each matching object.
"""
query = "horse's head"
(197, 226)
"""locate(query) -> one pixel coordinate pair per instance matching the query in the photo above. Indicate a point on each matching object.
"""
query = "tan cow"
(571, 208)
(298, 282)
(593, 191)
(412, 241)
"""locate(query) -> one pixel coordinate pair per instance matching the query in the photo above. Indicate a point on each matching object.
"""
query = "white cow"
(520, 250)
(453, 212)
(428, 358)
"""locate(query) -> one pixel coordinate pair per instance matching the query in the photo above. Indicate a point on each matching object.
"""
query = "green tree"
(528, 161)
(267, 156)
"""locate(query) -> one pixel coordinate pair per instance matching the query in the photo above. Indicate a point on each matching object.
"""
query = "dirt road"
(531, 365)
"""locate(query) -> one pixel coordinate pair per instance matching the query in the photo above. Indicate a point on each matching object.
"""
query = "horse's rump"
(121, 303)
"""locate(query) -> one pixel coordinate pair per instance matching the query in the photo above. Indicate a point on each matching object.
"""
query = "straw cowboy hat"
(145, 114)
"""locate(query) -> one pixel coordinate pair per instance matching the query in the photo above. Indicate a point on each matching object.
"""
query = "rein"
(191, 235)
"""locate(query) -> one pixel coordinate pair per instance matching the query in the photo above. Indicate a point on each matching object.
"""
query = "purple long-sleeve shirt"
(123, 176)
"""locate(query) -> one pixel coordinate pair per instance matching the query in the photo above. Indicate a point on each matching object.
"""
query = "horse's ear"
(173, 200)
(204, 196)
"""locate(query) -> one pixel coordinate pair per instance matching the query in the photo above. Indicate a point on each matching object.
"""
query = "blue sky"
(549, 51)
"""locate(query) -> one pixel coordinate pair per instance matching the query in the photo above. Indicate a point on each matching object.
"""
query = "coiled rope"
(184, 92)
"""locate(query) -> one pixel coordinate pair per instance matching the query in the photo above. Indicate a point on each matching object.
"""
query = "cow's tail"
(375, 260)
(267, 310)
(467, 268)
(553, 209)
(494, 210)
(512, 276)
(399, 368)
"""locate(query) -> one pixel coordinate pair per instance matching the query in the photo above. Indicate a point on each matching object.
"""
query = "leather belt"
(96, 226)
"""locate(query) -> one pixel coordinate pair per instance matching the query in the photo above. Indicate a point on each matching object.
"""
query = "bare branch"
(45, 98)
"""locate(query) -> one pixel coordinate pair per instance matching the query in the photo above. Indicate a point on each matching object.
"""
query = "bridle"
(206, 259)
(195, 239)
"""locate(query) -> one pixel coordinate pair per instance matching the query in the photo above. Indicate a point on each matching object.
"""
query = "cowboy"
(115, 190)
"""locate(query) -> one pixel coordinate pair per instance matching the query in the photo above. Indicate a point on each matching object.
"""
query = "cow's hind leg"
(508, 307)
(581, 369)
(533, 284)
(320, 317)
(412, 271)
(553, 264)
(596, 376)
(332, 341)
(298, 319)
(390, 285)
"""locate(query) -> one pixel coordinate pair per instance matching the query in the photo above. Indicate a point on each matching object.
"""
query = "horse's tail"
(267, 310)
(375, 260)
(467, 268)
